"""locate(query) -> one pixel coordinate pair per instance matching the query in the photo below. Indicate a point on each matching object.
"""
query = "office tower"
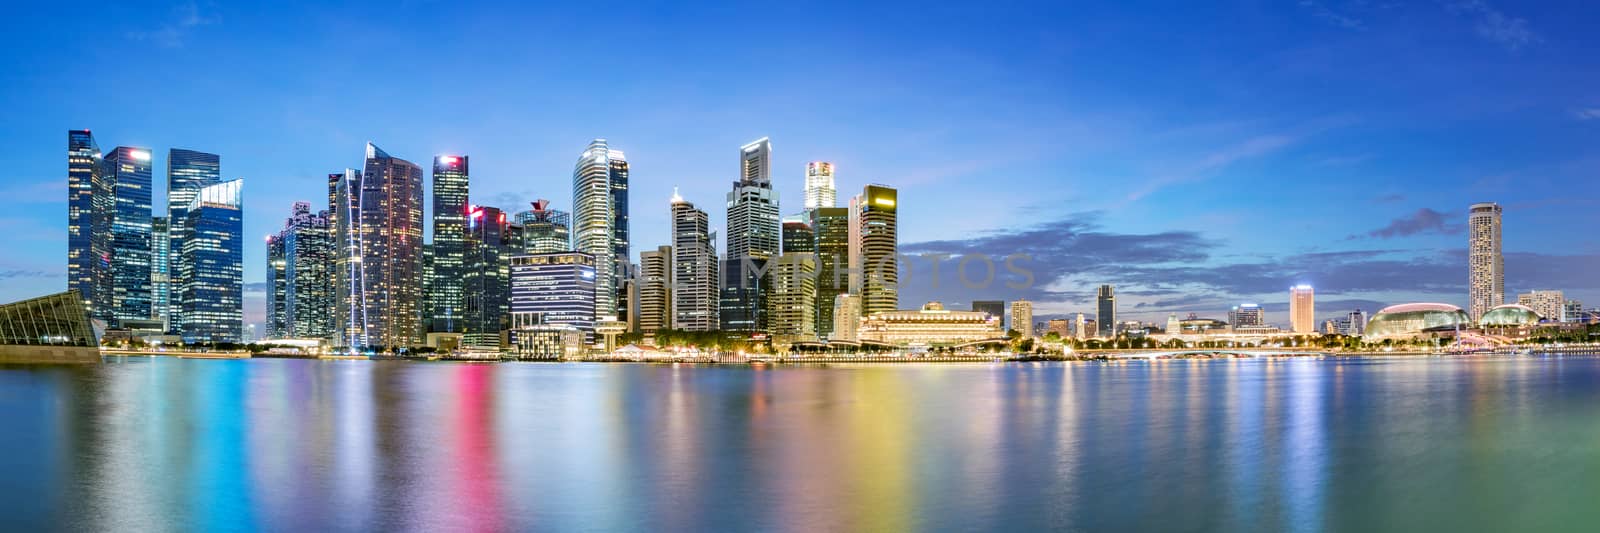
(846, 318)
(300, 271)
(819, 185)
(430, 280)
(389, 243)
(694, 269)
(1247, 316)
(655, 291)
(211, 265)
(1022, 317)
(1058, 326)
(451, 176)
(1302, 309)
(277, 300)
(160, 270)
(995, 308)
(797, 235)
(344, 217)
(1486, 282)
(792, 298)
(1551, 305)
(754, 237)
(486, 278)
(128, 172)
(89, 203)
(874, 244)
(545, 230)
(831, 225)
(617, 163)
(554, 289)
(1106, 298)
(187, 172)
(594, 220)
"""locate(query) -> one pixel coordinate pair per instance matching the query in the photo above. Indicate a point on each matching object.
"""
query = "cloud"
(1390, 198)
(18, 273)
(1494, 25)
(1423, 221)
(1322, 11)
(1587, 113)
(38, 192)
(186, 17)
(1217, 160)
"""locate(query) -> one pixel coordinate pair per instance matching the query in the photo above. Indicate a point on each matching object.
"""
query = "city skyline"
(1376, 243)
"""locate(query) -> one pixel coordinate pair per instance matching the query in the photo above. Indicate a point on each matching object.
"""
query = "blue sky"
(1194, 154)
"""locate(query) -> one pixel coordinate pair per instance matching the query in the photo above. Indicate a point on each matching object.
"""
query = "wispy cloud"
(1587, 113)
(186, 17)
(1214, 161)
(45, 191)
(18, 273)
(1423, 221)
(1322, 11)
(1494, 25)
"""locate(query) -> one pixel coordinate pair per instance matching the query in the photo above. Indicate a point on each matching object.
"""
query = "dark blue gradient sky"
(1195, 154)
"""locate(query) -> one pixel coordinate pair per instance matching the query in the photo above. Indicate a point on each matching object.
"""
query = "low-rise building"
(932, 325)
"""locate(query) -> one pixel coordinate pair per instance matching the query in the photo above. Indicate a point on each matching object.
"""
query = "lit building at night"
(1549, 304)
(995, 308)
(1486, 282)
(127, 170)
(694, 269)
(792, 298)
(754, 237)
(655, 290)
(1511, 316)
(389, 248)
(187, 172)
(1106, 299)
(1302, 309)
(545, 230)
(819, 185)
(846, 318)
(831, 227)
(874, 249)
(1022, 317)
(932, 325)
(1406, 321)
(445, 290)
(556, 289)
(594, 218)
(211, 265)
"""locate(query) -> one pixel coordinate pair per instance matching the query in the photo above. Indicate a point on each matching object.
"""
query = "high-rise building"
(389, 237)
(1486, 282)
(277, 300)
(797, 235)
(792, 298)
(485, 279)
(128, 170)
(617, 163)
(1551, 305)
(694, 269)
(1022, 317)
(300, 276)
(1572, 311)
(211, 265)
(846, 318)
(874, 247)
(160, 270)
(831, 225)
(1106, 300)
(545, 230)
(1247, 315)
(1302, 309)
(819, 185)
(655, 291)
(554, 289)
(754, 237)
(89, 203)
(446, 299)
(344, 218)
(187, 172)
(594, 221)
(1058, 326)
(995, 308)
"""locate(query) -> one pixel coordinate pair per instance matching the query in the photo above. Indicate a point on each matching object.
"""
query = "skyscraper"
(694, 269)
(128, 170)
(301, 268)
(545, 230)
(797, 235)
(1486, 282)
(792, 298)
(89, 204)
(486, 280)
(446, 299)
(554, 289)
(390, 245)
(655, 290)
(1106, 320)
(345, 218)
(1551, 305)
(1302, 309)
(754, 237)
(617, 163)
(160, 269)
(187, 172)
(874, 245)
(846, 318)
(594, 221)
(819, 185)
(211, 265)
(995, 308)
(1022, 317)
(831, 225)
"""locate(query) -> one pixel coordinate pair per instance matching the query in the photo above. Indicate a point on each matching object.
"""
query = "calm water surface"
(1247, 445)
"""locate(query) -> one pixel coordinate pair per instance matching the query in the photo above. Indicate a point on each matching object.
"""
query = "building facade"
(128, 171)
(211, 265)
(997, 308)
(1302, 309)
(556, 289)
(1247, 315)
(594, 220)
(300, 276)
(846, 318)
(389, 244)
(874, 247)
(187, 172)
(446, 296)
(89, 202)
(1486, 281)
(792, 298)
(831, 227)
(932, 325)
(655, 291)
(694, 269)
(1106, 319)
(485, 279)
(545, 230)
(754, 238)
(1022, 317)
(819, 185)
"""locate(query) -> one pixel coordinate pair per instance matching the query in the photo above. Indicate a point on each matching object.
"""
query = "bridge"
(1211, 353)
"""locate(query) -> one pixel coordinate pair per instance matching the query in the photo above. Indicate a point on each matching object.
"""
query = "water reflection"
(1297, 445)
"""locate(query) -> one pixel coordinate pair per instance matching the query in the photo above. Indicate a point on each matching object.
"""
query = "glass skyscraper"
(754, 237)
(128, 169)
(300, 275)
(694, 269)
(389, 233)
(831, 225)
(187, 172)
(485, 277)
(545, 230)
(594, 220)
(1106, 320)
(554, 289)
(89, 203)
(450, 181)
(874, 243)
(819, 185)
(160, 269)
(211, 265)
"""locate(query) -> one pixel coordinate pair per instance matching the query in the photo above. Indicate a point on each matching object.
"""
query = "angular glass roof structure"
(55, 320)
